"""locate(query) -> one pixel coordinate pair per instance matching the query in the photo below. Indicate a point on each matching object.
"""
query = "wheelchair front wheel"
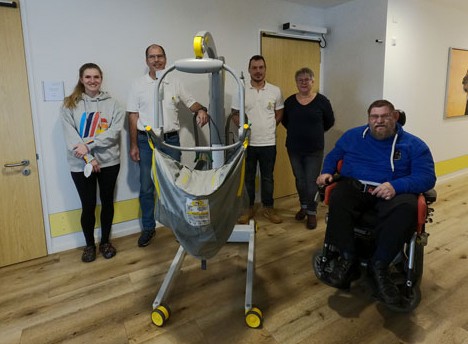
(318, 264)
(323, 264)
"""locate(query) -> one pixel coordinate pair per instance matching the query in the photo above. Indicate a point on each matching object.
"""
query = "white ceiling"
(457, 4)
(320, 3)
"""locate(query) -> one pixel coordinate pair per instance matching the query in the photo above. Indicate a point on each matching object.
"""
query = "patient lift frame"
(203, 42)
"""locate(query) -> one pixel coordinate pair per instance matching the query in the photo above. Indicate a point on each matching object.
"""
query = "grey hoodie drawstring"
(86, 101)
(85, 108)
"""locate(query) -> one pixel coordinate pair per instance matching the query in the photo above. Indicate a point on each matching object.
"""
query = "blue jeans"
(306, 168)
(146, 182)
(266, 157)
(173, 140)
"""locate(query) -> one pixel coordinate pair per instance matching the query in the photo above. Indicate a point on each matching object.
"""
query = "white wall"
(354, 61)
(409, 68)
(61, 35)
(416, 69)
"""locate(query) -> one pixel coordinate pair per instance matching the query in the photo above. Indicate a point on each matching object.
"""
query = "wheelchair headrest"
(402, 118)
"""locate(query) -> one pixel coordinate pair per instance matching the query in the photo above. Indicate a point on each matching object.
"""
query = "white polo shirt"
(142, 100)
(260, 106)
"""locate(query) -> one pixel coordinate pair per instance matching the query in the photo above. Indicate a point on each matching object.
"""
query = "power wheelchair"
(406, 268)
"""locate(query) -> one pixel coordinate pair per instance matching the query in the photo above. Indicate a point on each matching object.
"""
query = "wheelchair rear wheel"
(401, 265)
(410, 299)
(418, 263)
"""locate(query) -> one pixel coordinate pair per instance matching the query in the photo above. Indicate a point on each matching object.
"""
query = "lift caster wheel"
(254, 318)
(160, 315)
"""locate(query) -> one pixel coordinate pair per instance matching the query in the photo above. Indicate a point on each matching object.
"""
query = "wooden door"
(283, 57)
(22, 235)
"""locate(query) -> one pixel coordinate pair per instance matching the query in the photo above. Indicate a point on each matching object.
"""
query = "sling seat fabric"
(200, 206)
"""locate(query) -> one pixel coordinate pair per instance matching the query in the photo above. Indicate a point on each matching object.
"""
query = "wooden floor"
(59, 299)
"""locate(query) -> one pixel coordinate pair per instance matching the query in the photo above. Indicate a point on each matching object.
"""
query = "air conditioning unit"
(305, 29)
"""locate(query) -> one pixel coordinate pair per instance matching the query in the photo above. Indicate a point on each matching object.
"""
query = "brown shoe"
(89, 254)
(311, 222)
(246, 216)
(107, 250)
(301, 214)
(270, 214)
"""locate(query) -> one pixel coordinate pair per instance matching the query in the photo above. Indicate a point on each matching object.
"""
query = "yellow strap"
(153, 169)
(246, 140)
(242, 175)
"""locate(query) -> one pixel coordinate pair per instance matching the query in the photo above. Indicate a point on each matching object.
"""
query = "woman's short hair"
(304, 70)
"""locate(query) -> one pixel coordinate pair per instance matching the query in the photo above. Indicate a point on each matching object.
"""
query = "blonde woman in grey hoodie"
(92, 122)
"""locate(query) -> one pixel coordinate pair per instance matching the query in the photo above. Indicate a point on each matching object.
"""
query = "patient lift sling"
(193, 202)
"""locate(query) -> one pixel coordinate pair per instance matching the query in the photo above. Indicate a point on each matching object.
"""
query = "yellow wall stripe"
(68, 222)
(451, 166)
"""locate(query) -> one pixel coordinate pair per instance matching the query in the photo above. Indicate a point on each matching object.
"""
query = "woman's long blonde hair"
(73, 99)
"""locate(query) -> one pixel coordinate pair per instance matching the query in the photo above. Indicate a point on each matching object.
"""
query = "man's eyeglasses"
(154, 57)
(384, 117)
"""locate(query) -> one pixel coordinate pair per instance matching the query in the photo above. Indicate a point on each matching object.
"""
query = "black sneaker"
(89, 254)
(107, 250)
(387, 290)
(344, 272)
(145, 237)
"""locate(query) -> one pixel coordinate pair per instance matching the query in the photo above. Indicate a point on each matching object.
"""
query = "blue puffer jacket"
(404, 160)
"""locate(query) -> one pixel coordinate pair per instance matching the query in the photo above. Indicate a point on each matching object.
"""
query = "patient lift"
(189, 201)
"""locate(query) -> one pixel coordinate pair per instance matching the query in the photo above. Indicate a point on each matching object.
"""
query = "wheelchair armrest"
(327, 189)
(430, 195)
(425, 212)
(422, 213)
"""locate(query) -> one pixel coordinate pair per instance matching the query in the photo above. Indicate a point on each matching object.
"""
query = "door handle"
(17, 164)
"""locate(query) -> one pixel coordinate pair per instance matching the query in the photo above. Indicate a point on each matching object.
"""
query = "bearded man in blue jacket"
(384, 168)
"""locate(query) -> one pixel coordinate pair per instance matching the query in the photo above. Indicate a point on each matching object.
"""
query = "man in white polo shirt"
(141, 110)
(264, 108)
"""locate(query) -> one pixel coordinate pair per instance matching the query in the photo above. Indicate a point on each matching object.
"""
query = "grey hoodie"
(96, 122)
